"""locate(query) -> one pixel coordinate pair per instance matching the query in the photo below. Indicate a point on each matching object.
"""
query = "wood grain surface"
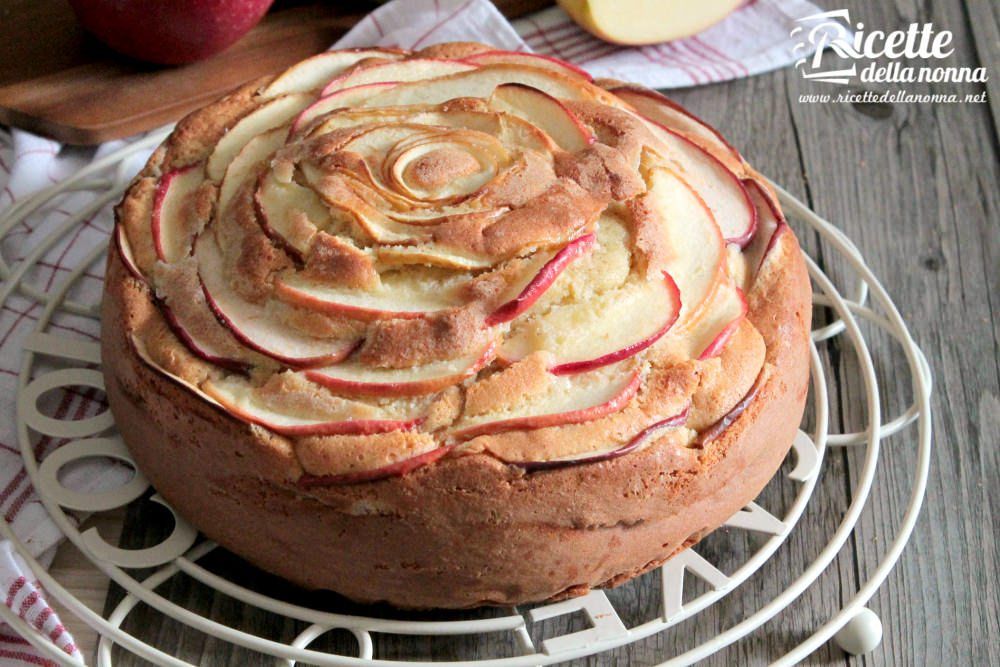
(915, 185)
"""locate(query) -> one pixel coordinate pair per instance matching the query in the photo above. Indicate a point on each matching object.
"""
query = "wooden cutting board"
(58, 81)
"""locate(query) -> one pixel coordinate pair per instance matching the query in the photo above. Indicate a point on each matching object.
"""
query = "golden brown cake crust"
(466, 528)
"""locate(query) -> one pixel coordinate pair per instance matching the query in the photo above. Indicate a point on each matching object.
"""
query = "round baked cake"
(453, 327)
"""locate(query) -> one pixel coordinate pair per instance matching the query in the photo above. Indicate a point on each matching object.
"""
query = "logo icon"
(826, 33)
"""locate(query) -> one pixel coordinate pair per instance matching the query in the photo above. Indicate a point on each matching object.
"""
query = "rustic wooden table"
(916, 187)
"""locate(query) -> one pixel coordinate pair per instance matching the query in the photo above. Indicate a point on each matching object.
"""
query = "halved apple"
(483, 81)
(571, 400)
(715, 183)
(666, 112)
(274, 113)
(720, 321)
(646, 21)
(770, 221)
(528, 293)
(615, 325)
(317, 71)
(698, 251)
(277, 206)
(414, 69)
(546, 112)
(340, 99)
(396, 469)
(257, 326)
(641, 440)
(172, 207)
(240, 399)
(256, 151)
(383, 302)
(352, 377)
(530, 59)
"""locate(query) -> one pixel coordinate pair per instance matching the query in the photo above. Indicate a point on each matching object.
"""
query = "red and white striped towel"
(753, 39)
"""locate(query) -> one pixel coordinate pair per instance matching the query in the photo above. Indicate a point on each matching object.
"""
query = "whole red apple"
(169, 32)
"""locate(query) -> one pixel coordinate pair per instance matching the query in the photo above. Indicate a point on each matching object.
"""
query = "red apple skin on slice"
(542, 280)
(340, 99)
(719, 427)
(718, 343)
(617, 402)
(397, 469)
(546, 112)
(317, 71)
(196, 347)
(340, 427)
(170, 203)
(771, 223)
(673, 309)
(632, 445)
(415, 69)
(731, 205)
(244, 326)
(529, 59)
(125, 252)
(352, 378)
(668, 113)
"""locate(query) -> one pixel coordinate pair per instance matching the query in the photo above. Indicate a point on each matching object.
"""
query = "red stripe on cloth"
(65, 251)
(13, 485)
(70, 648)
(661, 59)
(723, 68)
(596, 55)
(552, 28)
(740, 67)
(14, 589)
(57, 632)
(34, 318)
(588, 50)
(378, 26)
(679, 56)
(41, 618)
(13, 639)
(570, 38)
(442, 22)
(25, 657)
(564, 45)
(27, 603)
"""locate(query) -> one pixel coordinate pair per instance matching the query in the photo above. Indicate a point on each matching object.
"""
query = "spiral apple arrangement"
(449, 249)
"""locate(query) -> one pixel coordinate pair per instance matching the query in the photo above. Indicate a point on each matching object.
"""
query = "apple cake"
(453, 327)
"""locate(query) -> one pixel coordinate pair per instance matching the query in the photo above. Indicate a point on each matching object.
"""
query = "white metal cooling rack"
(855, 628)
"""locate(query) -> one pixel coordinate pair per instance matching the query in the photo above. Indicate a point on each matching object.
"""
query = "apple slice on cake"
(413, 69)
(259, 326)
(544, 111)
(528, 59)
(527, 293)
(274, 113)
(353, 377)
(611, 326)
(569, 400)
(347, 417)
(172, 221)
(668, 113)
(315, 72)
